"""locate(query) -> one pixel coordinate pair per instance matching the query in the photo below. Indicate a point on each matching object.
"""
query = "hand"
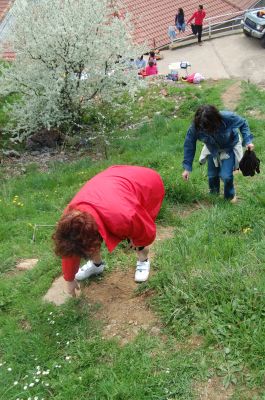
(250, 146)
(71, 287)
(186, 175)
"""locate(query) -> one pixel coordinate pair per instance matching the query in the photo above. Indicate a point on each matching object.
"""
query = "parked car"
(254, 25)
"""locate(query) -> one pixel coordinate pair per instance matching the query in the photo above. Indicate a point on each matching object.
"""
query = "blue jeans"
(225, 172)
(181, 27)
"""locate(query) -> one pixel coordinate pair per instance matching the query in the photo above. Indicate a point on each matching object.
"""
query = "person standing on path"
(180, 20)
(218, 130)
(198, 17)
(120, 203)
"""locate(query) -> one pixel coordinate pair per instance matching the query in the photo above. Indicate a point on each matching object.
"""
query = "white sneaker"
(88, 270)
(142, 271)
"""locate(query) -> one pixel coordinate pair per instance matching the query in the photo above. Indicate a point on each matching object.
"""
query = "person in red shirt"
(151, 69)
(122, 202)
(198, 17)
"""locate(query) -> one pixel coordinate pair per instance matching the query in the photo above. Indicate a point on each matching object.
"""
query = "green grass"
(209, 281)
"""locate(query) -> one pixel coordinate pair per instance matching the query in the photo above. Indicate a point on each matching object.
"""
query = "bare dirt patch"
(123, 313)
(213, 389)
(192, 343)
(256, 114)
(25, 325)
(231, 96)
(10, 166)
(27, 264)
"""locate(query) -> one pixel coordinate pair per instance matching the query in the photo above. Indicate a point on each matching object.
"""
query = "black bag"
(249, 163)
(194, 29)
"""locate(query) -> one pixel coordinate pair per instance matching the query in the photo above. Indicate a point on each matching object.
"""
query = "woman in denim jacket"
(218, 130)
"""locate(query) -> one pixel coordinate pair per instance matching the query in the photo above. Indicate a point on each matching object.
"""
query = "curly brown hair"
(76, 234)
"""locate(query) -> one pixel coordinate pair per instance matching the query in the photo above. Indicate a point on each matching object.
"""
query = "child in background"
(151, 69)
(140, 63)
(152, 57)
(180, 20)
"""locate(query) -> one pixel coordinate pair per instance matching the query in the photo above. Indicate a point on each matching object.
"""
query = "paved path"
(234, 56)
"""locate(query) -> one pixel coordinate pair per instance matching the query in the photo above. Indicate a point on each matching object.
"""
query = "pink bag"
(190, 77)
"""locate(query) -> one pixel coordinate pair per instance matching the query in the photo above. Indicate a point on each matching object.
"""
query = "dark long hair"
(181, 12)
(207, 119)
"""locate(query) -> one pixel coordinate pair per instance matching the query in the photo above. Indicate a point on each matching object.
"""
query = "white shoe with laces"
(88, 270)
(142, 271)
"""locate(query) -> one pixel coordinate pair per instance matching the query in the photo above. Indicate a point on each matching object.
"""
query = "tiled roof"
(4, 7)
(151, 19)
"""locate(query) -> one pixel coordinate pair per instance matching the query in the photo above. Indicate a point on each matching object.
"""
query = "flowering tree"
(70, 54)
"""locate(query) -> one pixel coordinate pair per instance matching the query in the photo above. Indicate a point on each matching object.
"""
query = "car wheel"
(246, 33)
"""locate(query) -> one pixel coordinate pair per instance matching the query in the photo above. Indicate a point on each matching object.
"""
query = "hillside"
(196, 329)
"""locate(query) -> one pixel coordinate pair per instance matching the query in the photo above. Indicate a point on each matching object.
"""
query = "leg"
(142, 253)
(199, 30)
(97, 258)
(213, 176)
(143, 264)
(226, 174)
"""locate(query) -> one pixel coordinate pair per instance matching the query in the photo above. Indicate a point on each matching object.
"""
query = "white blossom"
(69, 55)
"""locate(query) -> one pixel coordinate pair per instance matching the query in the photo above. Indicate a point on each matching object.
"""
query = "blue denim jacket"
(223, 140)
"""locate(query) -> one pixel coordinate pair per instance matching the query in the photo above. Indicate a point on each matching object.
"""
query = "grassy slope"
(209, 282)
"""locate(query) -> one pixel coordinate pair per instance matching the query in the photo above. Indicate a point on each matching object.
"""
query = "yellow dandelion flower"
(247, 230)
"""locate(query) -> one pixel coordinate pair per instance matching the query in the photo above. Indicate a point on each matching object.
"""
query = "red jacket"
(124, 201)
(198, 17)
(151, 70)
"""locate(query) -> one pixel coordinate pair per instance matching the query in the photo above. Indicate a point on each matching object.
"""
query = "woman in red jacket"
(119, 203)
(198, 17)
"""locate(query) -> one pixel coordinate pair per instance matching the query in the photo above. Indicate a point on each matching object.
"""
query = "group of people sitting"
(147, 68)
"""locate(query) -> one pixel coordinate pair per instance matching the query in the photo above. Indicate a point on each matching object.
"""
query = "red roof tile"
(4, 7)
(152, 19)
